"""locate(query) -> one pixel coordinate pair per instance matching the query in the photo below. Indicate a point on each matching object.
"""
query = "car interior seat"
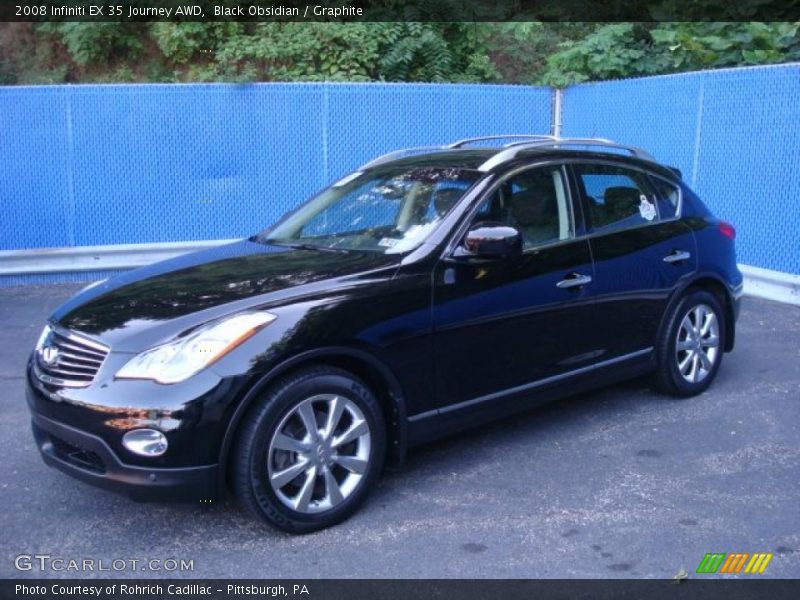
(535, 213)
(621, 207)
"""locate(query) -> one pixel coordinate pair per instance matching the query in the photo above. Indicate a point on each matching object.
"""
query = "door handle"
(574, 280)
(677, 256)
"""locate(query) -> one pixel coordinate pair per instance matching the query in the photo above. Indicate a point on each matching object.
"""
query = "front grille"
(69, 359)
(80, 457)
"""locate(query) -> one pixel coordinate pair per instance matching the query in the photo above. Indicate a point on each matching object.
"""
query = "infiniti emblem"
(50, 355)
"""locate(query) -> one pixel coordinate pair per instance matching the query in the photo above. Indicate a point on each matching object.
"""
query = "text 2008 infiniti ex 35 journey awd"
(428, 291)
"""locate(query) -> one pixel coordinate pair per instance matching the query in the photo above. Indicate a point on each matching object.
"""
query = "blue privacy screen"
(115, 164)
(734, 133)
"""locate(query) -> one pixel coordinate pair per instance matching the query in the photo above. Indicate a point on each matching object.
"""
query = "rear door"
(641, 250)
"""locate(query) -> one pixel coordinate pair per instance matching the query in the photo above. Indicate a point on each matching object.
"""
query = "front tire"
(310, 449)
(691, 346)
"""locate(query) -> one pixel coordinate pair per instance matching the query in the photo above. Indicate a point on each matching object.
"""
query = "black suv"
(430, 290)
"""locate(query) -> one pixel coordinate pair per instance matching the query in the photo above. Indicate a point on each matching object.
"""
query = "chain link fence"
(735, 135)
(118, 164)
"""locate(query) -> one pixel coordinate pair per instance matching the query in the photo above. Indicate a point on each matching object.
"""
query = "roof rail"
(458, 144)
(512, 150)
(486, 138)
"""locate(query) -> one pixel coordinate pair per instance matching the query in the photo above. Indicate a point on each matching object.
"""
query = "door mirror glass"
(493, 240)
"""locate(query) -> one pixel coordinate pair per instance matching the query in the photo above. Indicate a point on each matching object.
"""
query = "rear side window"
(616, 197)
(668, 198)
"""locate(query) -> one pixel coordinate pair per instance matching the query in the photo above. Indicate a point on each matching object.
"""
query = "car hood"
(146, 306)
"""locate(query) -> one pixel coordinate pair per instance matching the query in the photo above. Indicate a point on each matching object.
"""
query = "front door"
(502, 326)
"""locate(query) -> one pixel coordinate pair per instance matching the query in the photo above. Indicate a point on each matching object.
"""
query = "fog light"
(145, 442)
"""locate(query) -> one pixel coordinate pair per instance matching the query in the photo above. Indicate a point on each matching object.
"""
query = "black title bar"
(398, 10)
(370, 589)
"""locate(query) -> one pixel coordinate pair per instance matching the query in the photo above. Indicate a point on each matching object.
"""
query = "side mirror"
(493, 240)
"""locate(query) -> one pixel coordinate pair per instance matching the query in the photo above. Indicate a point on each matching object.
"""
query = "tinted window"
(668, 198)
(534, 202)
(616, 197)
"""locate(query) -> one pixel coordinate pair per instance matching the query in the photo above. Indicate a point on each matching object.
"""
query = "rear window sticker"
(646, 208)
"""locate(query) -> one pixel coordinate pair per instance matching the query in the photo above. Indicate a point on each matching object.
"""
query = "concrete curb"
(758, 282)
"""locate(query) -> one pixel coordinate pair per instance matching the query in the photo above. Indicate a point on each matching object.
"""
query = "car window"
(668, 198)
(535, 202)
(616, 197)
(365, 207)
(389, 210)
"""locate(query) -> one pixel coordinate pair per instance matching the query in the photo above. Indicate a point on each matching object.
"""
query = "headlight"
(179, 360)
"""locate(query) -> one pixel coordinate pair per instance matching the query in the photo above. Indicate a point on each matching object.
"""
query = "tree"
(633, 50)
(557, 54)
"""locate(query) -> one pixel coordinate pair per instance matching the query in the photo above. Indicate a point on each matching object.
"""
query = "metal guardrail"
(771, 285)
(95, 258)
(761, 283)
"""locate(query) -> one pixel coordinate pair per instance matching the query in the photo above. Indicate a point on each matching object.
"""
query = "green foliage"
(123, 74)
(182, 42)
(520, 50)
(611, 51)
(24, 61)
(556, 54)
(8, 75)
(433, 52)
(631, 50)
(713, 45)
(357, 52)
(97, 42)
(301, 52)
(415, 52)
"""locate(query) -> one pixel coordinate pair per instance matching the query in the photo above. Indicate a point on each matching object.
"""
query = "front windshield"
(388, 210)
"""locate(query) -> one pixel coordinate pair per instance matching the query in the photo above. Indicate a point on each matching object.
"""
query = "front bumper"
(78, 435)
(88, 458)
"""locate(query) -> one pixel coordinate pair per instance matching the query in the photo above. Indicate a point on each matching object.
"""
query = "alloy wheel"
(319, 453)
(697, 343)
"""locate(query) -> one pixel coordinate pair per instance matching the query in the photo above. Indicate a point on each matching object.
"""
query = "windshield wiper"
(302, 246)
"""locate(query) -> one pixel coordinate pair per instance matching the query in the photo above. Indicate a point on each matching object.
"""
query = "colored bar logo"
(735, 562)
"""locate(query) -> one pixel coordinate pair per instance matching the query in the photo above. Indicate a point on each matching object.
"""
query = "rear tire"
(309, 450)
(691, 345)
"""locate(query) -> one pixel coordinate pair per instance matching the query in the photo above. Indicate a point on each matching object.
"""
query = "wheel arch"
(710, 283)
(361, 363)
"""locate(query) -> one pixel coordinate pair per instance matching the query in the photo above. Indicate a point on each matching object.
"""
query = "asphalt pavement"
(621, 482)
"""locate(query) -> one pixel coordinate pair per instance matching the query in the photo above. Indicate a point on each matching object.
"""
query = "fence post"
(558, 102)
(698, 130)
